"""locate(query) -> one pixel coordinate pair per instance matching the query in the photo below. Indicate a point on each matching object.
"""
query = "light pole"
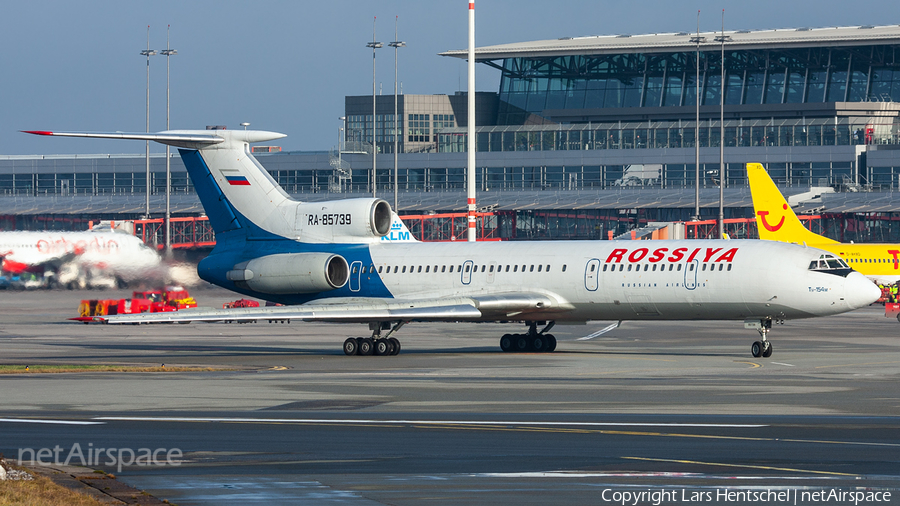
(168, 52)
(698, 39)
(148, 53)
(722, 39)
(396, 44)
(374, 45)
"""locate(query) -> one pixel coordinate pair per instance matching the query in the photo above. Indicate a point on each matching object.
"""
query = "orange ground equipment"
(170, 298)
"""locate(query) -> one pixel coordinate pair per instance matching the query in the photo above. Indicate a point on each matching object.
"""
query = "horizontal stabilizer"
(190, 139)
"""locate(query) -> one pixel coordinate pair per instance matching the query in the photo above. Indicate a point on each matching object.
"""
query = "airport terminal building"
(601, 129)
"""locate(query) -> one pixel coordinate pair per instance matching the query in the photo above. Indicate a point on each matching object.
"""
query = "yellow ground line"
(864, 363)
(754, 364)
(747, 466)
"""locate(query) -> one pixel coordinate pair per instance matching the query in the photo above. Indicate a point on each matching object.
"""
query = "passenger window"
(721, 266)
(451, 268)
(404, 270)
(523, 268)
(532, 269)
(483, 267)
(646, 266)
(539, 268)
(427, 268)
(592, 268)
(443, 268)
(354, 269)
(671, 266)
(515, 268)
(622, 267)
(492, 269)
(564, 268)
(654, 267)
(629, 267)
(704, 267)
(548, 267)
(692, 267)
(679, 267)
(729, 267)
(467, 268)
(507, 268)
(395, 269)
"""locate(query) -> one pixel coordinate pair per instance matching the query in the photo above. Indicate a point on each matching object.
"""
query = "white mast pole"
(470, 127)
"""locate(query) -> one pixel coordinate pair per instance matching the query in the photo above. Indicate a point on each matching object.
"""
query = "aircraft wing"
(364, 310)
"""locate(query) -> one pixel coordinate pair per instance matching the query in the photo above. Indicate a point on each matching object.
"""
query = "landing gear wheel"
(522, 343)
(395, 345)
(350, 346)
(507, 343)
(539, 343)
(768, 351)
(366, 346)
(551, 342)
(383, 347)
(756, 349)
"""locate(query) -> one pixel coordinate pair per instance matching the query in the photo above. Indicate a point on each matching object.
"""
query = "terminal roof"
(682, 41)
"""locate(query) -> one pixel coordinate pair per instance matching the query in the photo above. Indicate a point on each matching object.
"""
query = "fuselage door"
(592, 275)
(690, 274)
(355, 274)
(466, 274)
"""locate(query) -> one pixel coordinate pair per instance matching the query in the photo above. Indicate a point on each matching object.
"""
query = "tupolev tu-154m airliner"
(328, 261)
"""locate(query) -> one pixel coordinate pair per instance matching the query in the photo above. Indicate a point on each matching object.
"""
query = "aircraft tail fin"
(775, 219)
(399, 232)
(235, 190)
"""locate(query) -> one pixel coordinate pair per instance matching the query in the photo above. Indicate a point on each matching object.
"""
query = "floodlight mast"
(148, 53)
(374, 45)
(396, 44)
(167, 53)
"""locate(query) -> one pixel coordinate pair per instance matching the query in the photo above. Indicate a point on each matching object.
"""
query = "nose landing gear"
(762, 348)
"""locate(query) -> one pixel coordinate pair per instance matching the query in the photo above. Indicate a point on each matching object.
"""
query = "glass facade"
(842, 131)
(529, 86)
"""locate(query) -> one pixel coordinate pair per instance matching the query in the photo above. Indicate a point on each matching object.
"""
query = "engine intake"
(289, 273)
(349, 220)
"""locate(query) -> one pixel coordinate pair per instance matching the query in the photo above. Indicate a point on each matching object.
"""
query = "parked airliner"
(776, 221)
(77, 259)
(328, 261)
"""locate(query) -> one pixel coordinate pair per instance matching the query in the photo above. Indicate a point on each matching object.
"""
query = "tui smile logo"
(771, 228)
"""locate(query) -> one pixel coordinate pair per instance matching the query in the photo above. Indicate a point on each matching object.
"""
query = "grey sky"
(287, 65)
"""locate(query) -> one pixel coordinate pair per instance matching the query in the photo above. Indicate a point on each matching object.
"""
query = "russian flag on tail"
(237, 180)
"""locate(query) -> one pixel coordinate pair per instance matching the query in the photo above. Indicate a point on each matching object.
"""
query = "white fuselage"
(604, 280)
(118, 254)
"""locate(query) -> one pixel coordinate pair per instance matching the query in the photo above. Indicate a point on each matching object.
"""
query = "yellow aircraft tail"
(775, 219)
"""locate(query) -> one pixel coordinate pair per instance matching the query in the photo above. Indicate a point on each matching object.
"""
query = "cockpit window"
(830, 264)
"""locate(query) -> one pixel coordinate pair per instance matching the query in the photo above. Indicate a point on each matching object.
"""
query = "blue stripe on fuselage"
(214, 267)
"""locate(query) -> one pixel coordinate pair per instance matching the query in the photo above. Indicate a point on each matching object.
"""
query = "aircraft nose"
(860, 291)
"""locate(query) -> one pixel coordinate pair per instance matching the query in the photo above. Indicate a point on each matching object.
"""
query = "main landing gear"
(533, 341)
(762, 348)
(375, 345)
